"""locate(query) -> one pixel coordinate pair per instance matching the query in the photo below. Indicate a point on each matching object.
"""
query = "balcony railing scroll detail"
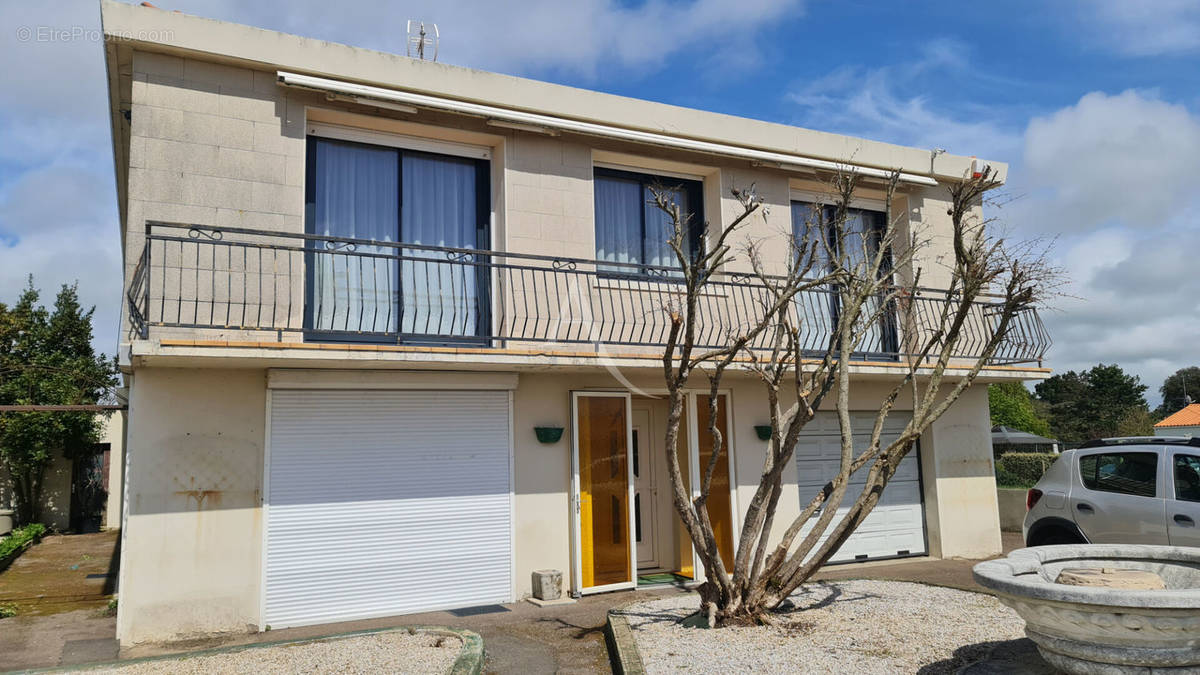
(355, 290)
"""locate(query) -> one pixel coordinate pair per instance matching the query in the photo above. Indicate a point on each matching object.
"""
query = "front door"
(645, 511)
(602, 492)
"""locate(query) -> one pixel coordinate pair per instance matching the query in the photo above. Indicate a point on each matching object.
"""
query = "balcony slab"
(182, 353)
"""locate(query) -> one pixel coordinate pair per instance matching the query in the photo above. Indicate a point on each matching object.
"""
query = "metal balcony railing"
(353, 290)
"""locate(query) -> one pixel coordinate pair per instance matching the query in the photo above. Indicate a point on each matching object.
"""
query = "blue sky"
(1095, 104)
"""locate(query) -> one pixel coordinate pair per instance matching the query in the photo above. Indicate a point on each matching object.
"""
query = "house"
(81, 494)
(1183, 422)
(393, 332)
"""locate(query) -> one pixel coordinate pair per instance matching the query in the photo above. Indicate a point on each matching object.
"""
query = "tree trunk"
(27, 489)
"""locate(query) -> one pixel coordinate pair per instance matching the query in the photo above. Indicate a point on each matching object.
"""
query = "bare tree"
(836, 257)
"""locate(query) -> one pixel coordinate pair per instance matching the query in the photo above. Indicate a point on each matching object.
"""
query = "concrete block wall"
(218, 145)
(191, 547)
(212, 145)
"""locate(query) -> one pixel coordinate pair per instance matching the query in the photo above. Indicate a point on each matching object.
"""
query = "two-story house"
(393, 332)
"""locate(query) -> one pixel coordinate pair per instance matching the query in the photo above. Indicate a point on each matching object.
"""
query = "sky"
(1095, 104)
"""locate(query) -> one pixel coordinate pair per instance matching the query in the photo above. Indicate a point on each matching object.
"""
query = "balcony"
(305, 288)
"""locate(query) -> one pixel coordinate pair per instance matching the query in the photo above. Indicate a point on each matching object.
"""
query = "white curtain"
(618, 220)
(439, 209)
(861, 244)
(355, 196)
(816, 308)
(660, 229)
(630, 228)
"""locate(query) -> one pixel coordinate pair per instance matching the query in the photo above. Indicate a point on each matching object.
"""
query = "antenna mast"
(419, 39)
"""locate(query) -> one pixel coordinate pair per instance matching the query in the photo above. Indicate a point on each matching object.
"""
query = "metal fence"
(353, 290)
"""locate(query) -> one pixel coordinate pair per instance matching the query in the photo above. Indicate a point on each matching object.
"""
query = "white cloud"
(64, 246)
(893, 103)
(580, 37)
(1115, 176)
(1161, 27)
(1129, 158)
(58, 217)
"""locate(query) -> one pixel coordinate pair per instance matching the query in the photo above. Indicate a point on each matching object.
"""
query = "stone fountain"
(1105, 608)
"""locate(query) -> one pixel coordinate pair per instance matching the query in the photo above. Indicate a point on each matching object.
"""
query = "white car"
(1138, 490)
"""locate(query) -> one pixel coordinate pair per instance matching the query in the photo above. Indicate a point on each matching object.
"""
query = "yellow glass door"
(720, 501)
(602, 485)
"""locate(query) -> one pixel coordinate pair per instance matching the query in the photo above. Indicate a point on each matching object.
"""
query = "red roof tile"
(1188, 417)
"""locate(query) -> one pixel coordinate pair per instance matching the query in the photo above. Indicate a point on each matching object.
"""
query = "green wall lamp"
(763, 431)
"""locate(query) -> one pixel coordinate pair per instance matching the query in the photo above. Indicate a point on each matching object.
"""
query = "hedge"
(1022, 469)
(16, 543)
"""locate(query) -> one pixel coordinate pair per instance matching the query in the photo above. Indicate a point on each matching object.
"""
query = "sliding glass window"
(362, 203)
(862, 237)
(631, 229)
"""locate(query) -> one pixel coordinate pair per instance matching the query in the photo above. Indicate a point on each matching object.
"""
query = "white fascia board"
(550, 122)
(289, 378)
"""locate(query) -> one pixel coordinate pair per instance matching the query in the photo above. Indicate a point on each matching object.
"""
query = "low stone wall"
(1012, 508)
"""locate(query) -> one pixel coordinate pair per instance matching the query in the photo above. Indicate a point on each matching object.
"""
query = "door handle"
(1186, 521)
(1085, 508)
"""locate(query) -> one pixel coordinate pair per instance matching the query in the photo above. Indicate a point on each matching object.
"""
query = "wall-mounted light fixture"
(763, 431)
(548, 434)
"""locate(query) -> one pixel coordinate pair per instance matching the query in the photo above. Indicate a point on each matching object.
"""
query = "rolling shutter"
(386, 502)
(896, 526)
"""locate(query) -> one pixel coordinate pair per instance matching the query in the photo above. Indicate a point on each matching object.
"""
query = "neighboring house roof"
(1009, 436)
(1189, 416)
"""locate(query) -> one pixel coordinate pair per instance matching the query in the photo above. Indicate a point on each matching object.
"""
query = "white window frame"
(402, 141)
(810, 197)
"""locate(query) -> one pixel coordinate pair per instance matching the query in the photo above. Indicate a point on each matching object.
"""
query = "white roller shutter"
(386, 502)
(896, 527)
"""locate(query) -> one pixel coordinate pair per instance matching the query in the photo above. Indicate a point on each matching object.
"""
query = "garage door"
(896, 527)
(386, 502)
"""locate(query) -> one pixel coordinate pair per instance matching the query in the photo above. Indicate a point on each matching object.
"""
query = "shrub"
(20, 537)
(7, 610)
(1023, 469)
(1006, 479)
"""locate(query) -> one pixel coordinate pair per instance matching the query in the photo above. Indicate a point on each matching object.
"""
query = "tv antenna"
(419, 40)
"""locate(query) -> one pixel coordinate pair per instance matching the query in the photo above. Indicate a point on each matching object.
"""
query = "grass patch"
(20, 537)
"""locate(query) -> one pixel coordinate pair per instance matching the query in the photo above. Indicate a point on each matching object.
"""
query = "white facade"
(274, 479)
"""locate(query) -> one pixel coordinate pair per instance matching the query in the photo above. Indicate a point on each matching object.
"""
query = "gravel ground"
(835, 627)
(389, 652)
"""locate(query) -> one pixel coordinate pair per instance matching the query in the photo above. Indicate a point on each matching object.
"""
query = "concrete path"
(952, 572)
(61, 588)
(518, 638)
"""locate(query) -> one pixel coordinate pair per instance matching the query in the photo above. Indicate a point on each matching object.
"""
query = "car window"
(1187, 478)
(1130, 473)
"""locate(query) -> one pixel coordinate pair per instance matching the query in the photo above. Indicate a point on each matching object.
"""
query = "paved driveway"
(518, 638)
(61, 588)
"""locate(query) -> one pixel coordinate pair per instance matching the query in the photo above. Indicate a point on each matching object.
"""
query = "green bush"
(1022, 469)
(1006, 479)
(20, 537)
(7, 610)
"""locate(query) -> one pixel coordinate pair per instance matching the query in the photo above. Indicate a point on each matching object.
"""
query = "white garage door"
(386, 502)
(896, 527)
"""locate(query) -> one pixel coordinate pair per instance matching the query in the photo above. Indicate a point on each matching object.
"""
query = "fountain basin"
(1088, 629)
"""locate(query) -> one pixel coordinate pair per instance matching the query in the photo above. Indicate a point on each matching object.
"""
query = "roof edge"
(184, 34)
